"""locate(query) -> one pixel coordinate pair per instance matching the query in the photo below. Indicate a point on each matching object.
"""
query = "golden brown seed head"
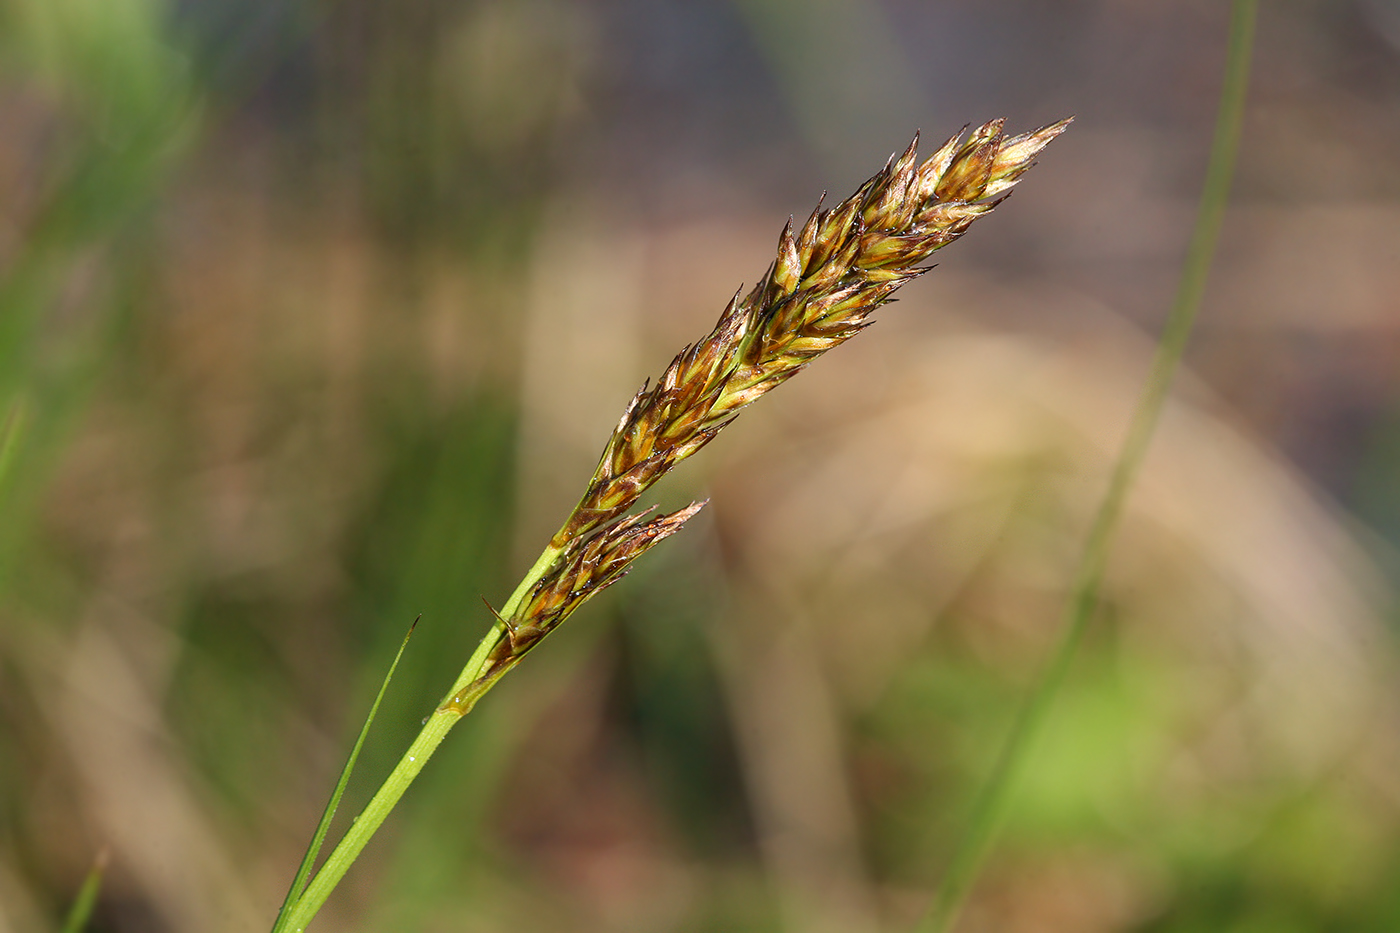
(827, 279)
(819, 292)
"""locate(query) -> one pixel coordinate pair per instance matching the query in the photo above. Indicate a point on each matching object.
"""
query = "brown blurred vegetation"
(313, 317)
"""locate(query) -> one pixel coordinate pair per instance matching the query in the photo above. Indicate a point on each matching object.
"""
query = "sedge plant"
(828, 278)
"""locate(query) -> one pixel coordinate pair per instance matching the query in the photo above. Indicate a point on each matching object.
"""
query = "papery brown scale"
(931, 172)
(685, 426)
(902, 252)
(892, 210)
(878, 205)
(837, 323)
(683, 367)
(845, 259)
(831, 327)
(755, 364)
(700, 440)
(872, 197)
(839, 223)
(695, 379)
(881, 249)
(671, 400)
(1015, 155)
(729, 318)
(785, 316)
(729, 332)
(697, 365)
(971, 167)
(634, 430)
(807, 238)
(904, 167)
(699, 360)
(967, 177)
(902, 210)
(787, 271)
(960, 226)
(1003, 180)
(836, 301)
(899, 281)
(945, 213)
(680, 368)
(583, 517)
(822, 243)
(933, 241)
(806, 348)
(630, 447)
(869, 191)
(880, 276)
(743, 394)
(707, 402)
(631, 409)
(835, 269)
(635, 481)
(835, 229)
(987, 132)
(754, 301)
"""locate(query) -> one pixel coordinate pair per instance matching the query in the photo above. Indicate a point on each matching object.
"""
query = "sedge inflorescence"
(828, 278)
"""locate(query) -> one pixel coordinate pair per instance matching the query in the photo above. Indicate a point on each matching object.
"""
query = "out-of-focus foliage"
(313, 317)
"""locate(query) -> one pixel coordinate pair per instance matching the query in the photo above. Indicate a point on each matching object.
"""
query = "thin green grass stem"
(463, 695)
(318, 838)
(11, 431)
(990, 809)
(86, 901)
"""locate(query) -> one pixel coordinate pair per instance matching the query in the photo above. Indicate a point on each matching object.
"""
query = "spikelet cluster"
(828, 277)
(580, 572)
(820, 291)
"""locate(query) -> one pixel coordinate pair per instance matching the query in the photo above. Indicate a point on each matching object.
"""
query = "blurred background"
(315, 315)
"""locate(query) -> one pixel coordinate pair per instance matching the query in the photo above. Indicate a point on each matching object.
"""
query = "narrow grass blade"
(990, 808)
(11, 430)
(86, 901)
(308, 861)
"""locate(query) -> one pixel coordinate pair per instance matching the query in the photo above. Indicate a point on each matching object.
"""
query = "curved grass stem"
(463, 695)
(990, 808)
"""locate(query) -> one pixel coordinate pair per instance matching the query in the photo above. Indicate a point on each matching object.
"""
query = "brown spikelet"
(828, 277)
(583, 570)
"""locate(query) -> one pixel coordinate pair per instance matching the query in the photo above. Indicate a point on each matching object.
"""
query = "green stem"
(86, 901)
(11, 432)
(990, 808)
(463, 695)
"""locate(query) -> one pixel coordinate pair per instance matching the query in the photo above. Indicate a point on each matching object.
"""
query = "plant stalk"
(463, 695)
(990, 809)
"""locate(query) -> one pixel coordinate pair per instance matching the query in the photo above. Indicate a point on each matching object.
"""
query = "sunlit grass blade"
(86, 901)
(313, 850)
(990, 808)
(11, 430)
